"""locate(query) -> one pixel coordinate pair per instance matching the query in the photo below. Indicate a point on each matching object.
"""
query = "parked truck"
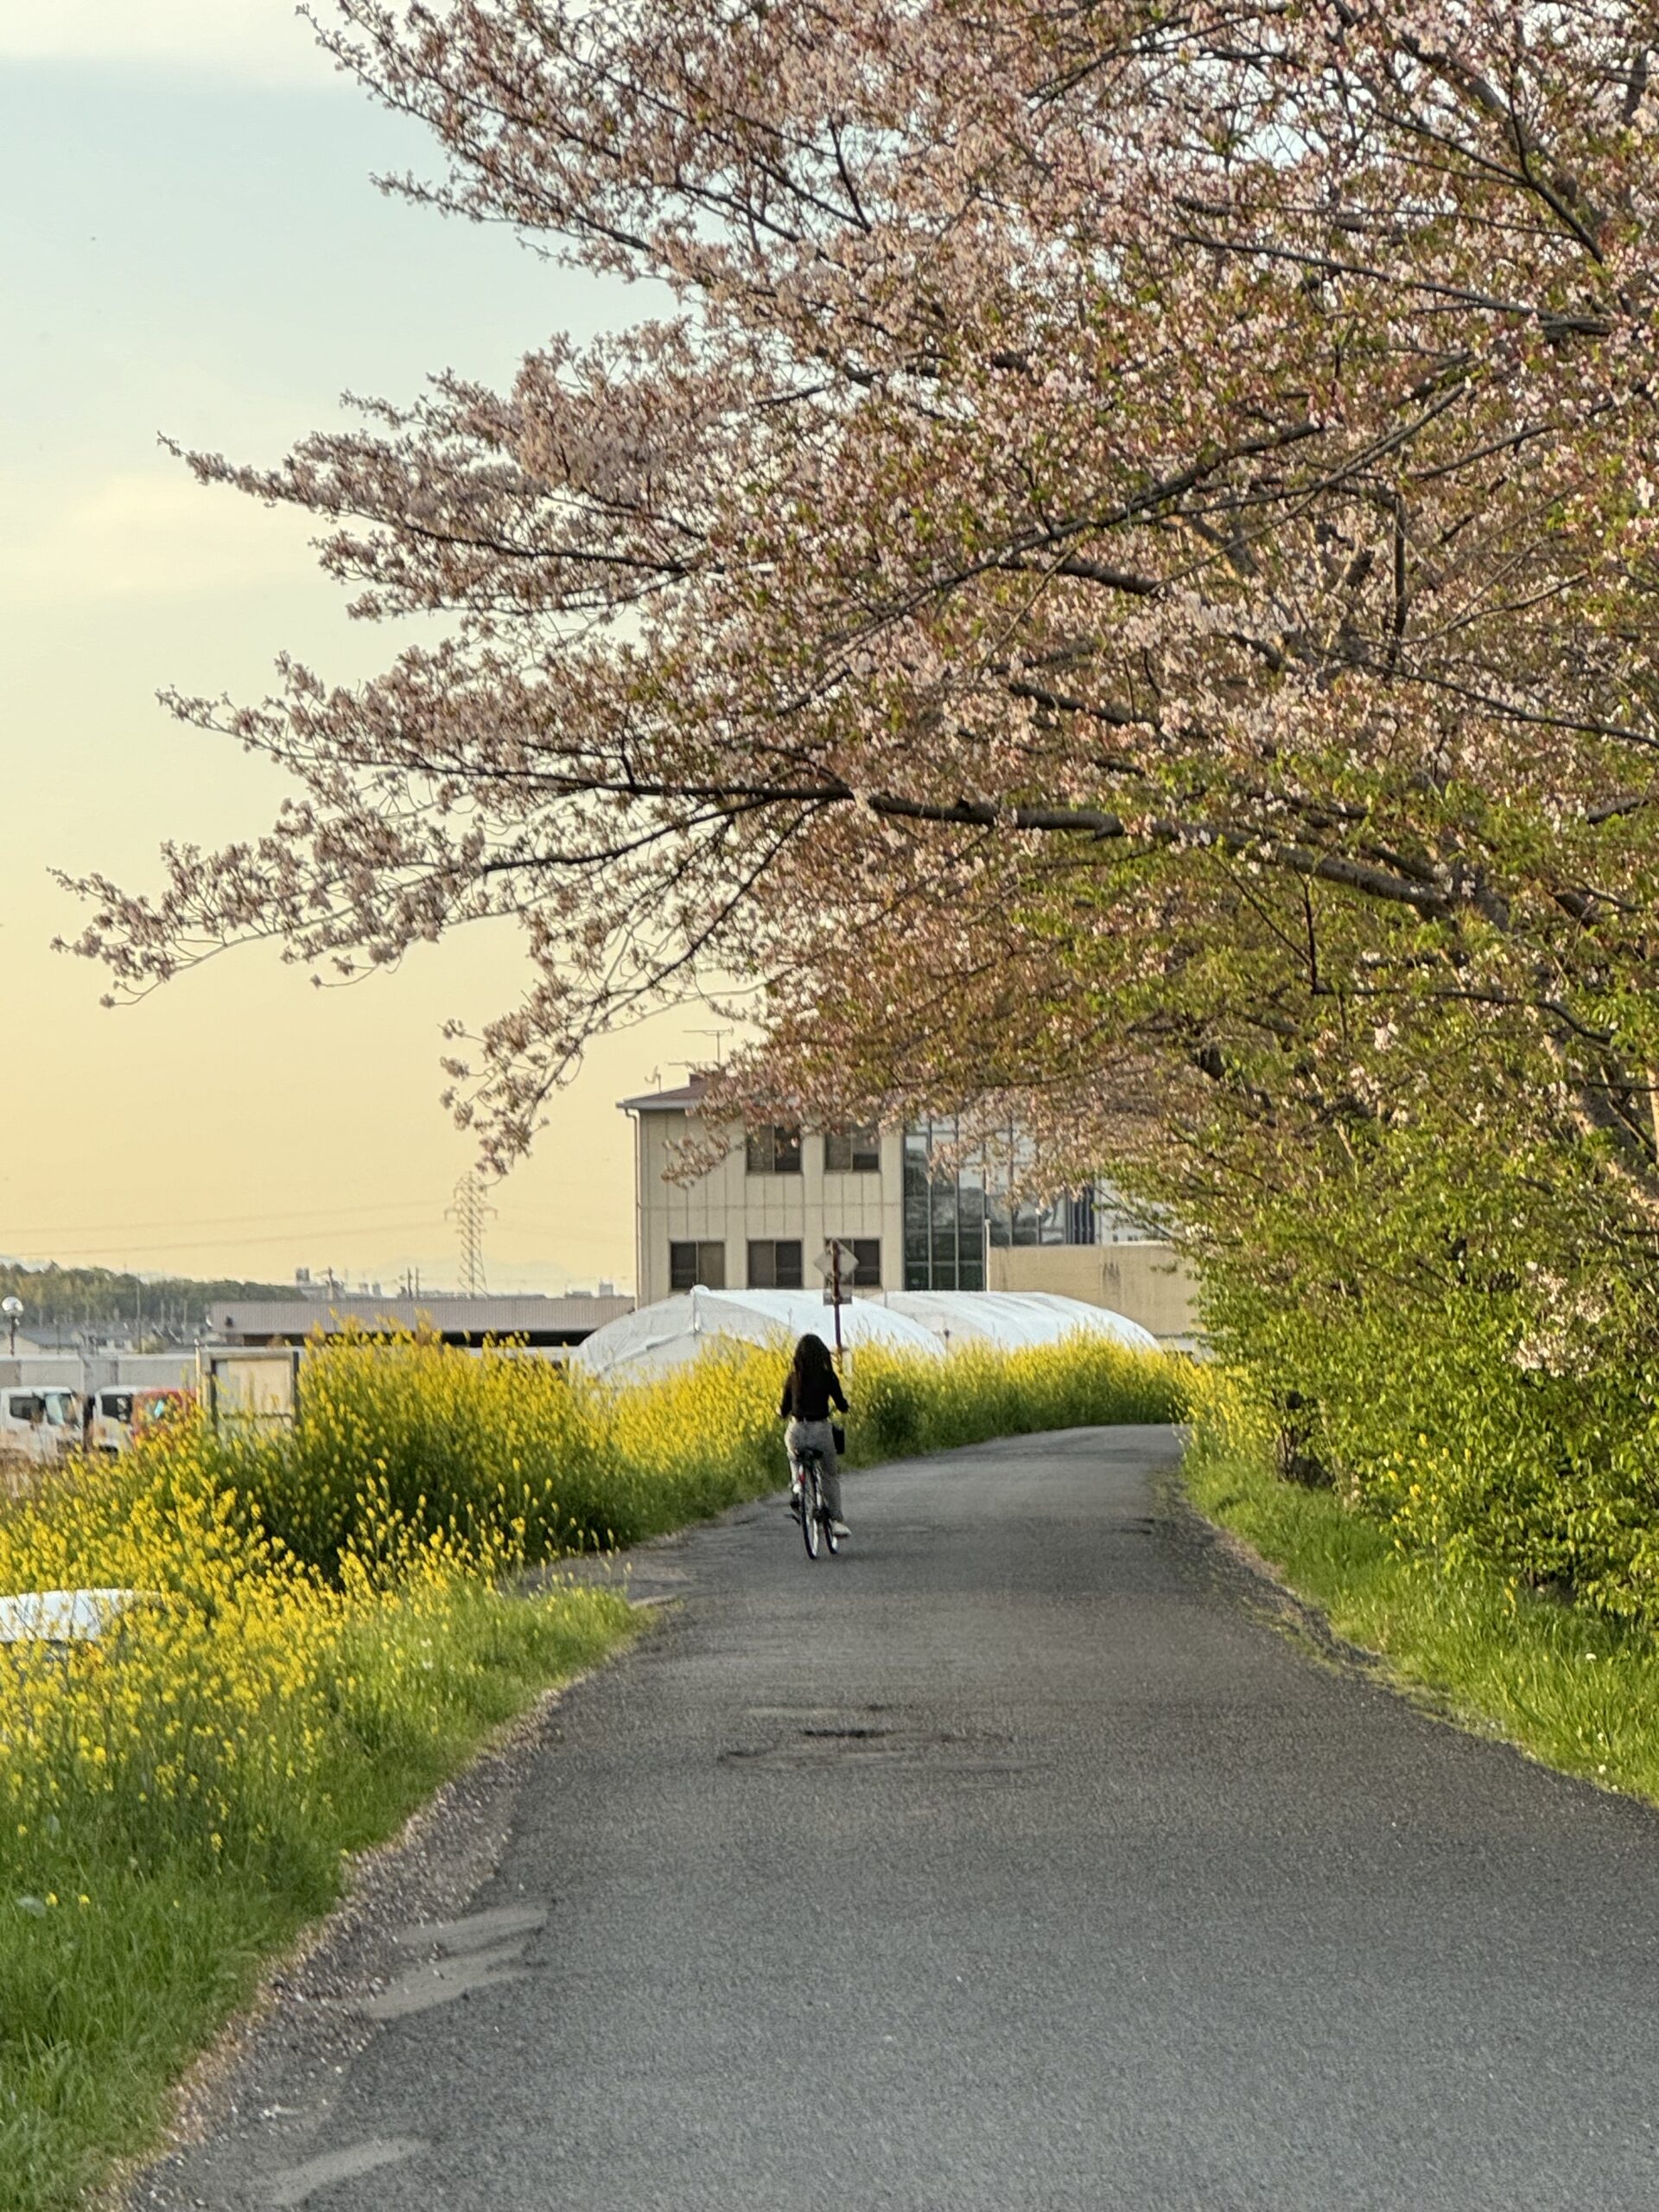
(119, 1413)
(40, 1424)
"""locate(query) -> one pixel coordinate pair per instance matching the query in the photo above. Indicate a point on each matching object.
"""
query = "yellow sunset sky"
(196, 248)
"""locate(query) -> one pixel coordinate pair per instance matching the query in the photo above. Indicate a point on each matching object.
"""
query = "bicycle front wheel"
(810, 1508)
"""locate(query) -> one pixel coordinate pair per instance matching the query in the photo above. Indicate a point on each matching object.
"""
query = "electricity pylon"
(469, 1209)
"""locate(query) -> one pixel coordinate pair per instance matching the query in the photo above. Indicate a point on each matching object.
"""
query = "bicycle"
(815, 1515)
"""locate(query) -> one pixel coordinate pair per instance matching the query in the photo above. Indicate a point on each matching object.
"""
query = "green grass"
(1577, 1691)
(104, 2005)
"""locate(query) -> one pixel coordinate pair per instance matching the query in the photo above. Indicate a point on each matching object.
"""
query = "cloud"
(141, 536)
(264, 40)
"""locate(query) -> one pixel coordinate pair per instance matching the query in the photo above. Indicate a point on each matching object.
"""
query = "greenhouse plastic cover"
(658, 1337)
(1011, 1319)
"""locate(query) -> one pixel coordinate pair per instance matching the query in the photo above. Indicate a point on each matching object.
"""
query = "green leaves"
(1464, 1329)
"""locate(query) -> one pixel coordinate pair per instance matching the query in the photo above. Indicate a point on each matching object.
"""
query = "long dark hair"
(812, 1360)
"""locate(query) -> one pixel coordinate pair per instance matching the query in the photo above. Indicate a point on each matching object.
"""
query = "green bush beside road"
(1577, 1689)
(1452, 1338)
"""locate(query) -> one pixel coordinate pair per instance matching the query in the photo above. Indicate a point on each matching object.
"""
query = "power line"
(244, 1240)
(127, 1238)
(276, 1220)
(93, 1255)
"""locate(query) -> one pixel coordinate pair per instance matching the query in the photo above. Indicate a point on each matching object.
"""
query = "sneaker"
(840, 1529)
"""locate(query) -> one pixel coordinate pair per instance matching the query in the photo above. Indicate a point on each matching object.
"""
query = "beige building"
(760, 1218)
(1145, 1281)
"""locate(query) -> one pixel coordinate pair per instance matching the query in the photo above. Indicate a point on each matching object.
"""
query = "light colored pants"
(806, 1435)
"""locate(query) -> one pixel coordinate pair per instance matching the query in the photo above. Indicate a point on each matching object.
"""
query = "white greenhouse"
(665, 1335)
(1012, 1319)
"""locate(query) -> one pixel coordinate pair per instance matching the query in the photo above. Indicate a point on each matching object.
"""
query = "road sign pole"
(837, 1286)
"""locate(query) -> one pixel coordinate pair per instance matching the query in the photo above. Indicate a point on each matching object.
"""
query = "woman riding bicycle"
(810, 1388)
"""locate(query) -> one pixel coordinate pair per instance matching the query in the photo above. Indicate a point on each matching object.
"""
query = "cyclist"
(810, 1388)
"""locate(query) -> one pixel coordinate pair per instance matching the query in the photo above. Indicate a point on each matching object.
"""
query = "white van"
(39, 1422)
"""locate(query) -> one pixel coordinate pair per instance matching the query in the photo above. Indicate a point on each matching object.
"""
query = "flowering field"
(330, 1625)
(398, 1442)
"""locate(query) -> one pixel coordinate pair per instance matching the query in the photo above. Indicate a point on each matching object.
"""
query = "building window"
(691, 1266)
(853, 1151)
(864, 1254)
(945, 1215)
(775, 1263)
(950, 1219)
(774, 1150)
(1070, 1220)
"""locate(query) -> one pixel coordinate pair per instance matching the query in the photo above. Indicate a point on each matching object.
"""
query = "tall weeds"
(400, 1441)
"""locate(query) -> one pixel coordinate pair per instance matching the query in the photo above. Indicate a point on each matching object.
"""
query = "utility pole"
(469, 1209)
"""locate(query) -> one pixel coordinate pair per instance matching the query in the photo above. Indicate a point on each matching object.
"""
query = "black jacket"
(810, 1401)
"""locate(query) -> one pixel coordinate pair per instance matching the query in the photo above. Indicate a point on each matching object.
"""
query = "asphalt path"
(1015, 1860)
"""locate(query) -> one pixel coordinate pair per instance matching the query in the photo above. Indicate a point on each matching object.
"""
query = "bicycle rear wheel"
(810, 1511)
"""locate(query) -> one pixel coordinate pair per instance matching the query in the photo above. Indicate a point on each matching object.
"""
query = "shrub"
(1438, 1417)
(1455, 1326)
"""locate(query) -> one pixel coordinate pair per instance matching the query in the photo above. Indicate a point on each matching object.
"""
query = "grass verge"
(1577, 1691)
(118, 1966)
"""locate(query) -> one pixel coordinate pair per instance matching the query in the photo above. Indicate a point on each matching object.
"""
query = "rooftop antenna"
(720, 1050)
(469, 1209)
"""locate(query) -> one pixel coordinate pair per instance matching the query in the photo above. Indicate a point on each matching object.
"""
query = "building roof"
(566, 1320)
(680, 1100)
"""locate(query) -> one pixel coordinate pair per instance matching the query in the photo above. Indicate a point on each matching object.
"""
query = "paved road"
(1015, 1861)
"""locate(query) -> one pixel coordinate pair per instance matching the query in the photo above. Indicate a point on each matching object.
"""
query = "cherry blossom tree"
(1122, 579)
